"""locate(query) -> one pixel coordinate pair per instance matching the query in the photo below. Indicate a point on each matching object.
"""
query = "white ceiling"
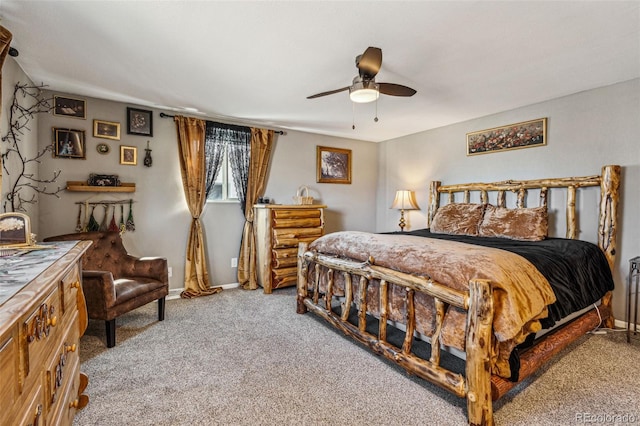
(255, 62)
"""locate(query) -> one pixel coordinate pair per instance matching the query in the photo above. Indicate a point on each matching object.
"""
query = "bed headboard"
(608, 181)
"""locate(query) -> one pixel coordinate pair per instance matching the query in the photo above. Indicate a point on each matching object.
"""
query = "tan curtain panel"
(191, 146)
(5, 41)
(261, 145)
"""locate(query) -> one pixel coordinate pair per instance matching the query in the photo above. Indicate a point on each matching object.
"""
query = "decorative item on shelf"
(15, 234)
(103, 180)
(405, 200)
(147, 156)
(302, 196)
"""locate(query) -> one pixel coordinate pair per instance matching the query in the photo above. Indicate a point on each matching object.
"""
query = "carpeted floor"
(246, 358)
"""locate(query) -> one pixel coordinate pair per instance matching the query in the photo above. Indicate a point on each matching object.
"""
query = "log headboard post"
(434, 201)
(608, 225)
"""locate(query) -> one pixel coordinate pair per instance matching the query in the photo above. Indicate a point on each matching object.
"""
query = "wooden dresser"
(42, 316)
(278, 230)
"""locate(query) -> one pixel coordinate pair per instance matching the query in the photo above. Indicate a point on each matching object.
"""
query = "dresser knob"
(52, 321)
(70, 348)
(75, 284)
(74, 403)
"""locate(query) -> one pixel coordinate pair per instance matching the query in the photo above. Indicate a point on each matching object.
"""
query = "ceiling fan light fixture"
(364, 91)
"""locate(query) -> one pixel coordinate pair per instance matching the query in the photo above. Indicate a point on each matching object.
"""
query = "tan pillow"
(457, 219)
(517, 224)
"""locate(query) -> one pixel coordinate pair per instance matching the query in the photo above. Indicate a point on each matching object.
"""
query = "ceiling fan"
(364, 87)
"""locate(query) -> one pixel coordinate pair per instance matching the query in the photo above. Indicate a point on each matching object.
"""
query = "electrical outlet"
(234, 262)
(170, 271)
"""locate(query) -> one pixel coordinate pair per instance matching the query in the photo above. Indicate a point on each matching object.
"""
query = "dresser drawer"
(290, 237)
(284, 257)
(295, 213)
(60, 368)
(32, 413)
(40, 331)
(9, 369)
(69, 286)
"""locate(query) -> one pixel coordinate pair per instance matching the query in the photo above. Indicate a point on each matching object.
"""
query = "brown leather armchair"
(114, 282)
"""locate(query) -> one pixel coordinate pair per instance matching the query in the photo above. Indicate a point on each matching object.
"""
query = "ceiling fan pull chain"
(353, 116)
(375, 119)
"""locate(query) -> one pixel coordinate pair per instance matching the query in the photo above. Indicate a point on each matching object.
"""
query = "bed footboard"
(478, 303)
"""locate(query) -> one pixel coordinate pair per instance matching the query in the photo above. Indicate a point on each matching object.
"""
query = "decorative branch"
(20, 114)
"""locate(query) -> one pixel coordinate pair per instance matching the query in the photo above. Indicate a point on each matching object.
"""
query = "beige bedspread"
(520, 292)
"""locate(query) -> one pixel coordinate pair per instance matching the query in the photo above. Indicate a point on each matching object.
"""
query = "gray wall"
(12, 74)
(161, 217)
(585, 131)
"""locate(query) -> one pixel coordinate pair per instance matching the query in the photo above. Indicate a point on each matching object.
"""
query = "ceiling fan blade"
(369, 62)
(330, 92)
(396, 89)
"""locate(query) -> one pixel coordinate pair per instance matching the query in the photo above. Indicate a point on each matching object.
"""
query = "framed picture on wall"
(69, 107)
(68, 143)
(128, 155)
(106, 129)
(139, 122)
(333, 165)
(526, 134)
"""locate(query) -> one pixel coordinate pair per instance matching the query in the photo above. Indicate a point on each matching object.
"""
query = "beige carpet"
(246, 358)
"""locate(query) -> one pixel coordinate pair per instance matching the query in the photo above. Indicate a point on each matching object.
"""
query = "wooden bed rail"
(478, 302)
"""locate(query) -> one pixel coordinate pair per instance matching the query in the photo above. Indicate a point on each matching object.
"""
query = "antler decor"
(19, 117)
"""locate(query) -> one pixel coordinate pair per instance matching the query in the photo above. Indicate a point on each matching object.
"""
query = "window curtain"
(191, 147)
(258, 166)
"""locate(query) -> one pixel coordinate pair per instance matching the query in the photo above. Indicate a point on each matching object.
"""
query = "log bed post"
(302, 279)
(434, 201)
(478, 366)
(608, 226)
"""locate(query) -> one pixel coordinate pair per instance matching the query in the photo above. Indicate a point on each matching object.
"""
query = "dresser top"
(290, 206)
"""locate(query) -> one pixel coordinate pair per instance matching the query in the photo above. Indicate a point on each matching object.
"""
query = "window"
(224, 189)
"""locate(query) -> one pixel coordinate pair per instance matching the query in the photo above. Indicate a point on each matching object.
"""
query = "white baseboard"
(174, 293)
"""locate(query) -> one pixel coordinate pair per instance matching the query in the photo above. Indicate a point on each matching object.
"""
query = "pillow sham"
(528, 224)
(457, 219)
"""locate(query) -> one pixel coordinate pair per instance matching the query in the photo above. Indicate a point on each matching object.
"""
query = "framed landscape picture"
(139, 122)
(106, 129)
(513, 136)
(69, 107)
(68, 143)
(333, 165)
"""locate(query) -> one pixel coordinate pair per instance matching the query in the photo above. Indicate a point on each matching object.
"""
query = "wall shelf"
(81, 186)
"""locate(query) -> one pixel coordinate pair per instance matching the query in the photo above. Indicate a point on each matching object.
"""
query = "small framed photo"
(69, 107)
(15, 230)
(68, 143)
(106, 129)
(139, 122)
(333, 165)
(526, 134)
(128, 155)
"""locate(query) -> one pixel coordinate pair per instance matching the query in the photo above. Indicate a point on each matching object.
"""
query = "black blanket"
(577, 271)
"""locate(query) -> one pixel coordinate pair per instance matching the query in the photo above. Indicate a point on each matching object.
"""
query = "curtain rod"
(163, 115)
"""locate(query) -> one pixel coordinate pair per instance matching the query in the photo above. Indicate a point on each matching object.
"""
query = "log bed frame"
(478, 385)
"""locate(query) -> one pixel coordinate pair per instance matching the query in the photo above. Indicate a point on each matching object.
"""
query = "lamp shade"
(405, 200)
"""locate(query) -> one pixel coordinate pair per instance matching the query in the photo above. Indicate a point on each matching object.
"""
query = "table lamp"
(405, 200)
